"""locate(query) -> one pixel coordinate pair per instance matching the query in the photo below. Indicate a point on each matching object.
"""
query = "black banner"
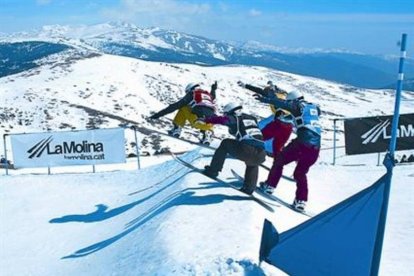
(373, 134)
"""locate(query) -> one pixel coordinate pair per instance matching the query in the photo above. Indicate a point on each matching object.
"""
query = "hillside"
(71, 92)
(155, 44)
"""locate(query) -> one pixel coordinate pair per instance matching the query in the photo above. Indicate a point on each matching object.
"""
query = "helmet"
(231, 108)
(190, 87)
(270, 86)
(294, 95)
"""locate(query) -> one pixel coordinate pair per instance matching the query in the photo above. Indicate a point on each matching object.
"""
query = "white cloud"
(158, 7)
(43, 2)
(167, 14)
(254, 12)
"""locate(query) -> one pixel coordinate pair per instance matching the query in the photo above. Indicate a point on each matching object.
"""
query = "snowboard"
(274, 198)
(262, 203)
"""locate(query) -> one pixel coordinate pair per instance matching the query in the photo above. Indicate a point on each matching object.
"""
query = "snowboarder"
(248, 145)
(276, 128)
(196, 103)
(268, 91)
(304, 149)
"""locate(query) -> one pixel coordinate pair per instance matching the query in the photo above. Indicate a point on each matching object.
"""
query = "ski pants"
(305, 156)
(252, 157)
(185, 114)
(275, 133)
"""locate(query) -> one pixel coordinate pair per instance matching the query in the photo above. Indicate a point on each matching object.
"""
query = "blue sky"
(368, 26)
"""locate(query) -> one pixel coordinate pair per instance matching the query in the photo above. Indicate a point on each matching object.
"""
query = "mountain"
(408, 85)
(155, 44)
(79, 89)
(21, 56)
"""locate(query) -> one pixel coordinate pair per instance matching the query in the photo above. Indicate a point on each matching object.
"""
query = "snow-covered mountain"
(78, 90)
(155, 44)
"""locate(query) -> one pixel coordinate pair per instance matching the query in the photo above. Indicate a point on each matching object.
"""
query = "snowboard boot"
(209, 172)
(266, 188)
(246, 190)
(207, 137)
(299, 205)
(175, 131)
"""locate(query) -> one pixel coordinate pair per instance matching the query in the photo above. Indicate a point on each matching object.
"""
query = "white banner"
(98, 146)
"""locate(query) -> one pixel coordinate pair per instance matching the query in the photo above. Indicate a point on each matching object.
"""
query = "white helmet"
(231, 108)
(190, 87)
(294, 95)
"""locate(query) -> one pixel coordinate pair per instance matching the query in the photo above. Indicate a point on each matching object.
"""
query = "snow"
(166, 220)
(163, 219)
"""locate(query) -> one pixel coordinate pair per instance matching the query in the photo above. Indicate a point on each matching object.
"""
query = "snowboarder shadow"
(183, 197)
(103, 213)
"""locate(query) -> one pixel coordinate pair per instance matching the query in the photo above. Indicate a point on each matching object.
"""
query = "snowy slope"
(123, 222)
(165, 220)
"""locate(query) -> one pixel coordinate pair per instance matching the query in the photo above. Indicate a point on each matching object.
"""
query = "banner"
(373, 134)
(87, 147)
(342, 240)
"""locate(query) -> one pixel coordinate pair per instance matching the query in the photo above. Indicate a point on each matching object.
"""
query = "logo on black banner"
(72, 147)
(373, 134)
(380, 130)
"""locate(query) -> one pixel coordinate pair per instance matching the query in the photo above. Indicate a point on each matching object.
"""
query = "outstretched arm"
(255, 89)
(174, 106)
(290, 106)
(217, 120)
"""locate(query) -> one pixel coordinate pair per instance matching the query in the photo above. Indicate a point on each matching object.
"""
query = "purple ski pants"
(305, 156)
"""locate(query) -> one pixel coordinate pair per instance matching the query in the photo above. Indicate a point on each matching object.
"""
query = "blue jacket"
(306, 133)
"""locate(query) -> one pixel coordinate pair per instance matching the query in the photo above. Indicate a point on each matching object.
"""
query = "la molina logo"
(380, 131)
(45, 146)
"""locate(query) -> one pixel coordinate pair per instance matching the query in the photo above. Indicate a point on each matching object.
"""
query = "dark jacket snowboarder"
(277, 127)
(248, 145)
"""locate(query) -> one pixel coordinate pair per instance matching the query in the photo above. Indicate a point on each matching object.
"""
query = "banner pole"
(137, 146)
(6, 164)
(389, 164)
(334, 142)
(395, 120)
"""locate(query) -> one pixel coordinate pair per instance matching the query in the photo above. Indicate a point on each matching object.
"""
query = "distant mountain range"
(20, 51)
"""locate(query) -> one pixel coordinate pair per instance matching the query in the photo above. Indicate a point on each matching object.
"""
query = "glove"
(214, 86)
(262, 99)
(241, 84)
